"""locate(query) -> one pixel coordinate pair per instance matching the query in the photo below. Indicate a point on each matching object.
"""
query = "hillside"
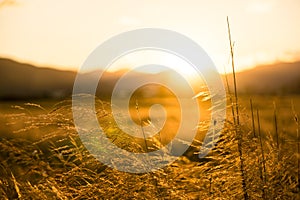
(279, 78)
(19, 81)
(23, 81)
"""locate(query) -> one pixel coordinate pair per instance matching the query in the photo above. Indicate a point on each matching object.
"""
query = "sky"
(62, 33)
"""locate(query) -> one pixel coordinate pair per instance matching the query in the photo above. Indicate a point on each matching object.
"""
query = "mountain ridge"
(278, 78)
(21, 80)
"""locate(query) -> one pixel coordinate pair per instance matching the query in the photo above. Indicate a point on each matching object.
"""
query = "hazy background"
(61, 34)
(44, 42)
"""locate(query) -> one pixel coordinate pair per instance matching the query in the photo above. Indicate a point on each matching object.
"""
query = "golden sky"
(62, 33)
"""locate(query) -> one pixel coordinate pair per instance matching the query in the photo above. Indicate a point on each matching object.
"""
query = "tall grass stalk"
(261, 148)
(260, 168)
(252, 118)
(276, 125)
(234, 74)
(230, 97)
(239, 135)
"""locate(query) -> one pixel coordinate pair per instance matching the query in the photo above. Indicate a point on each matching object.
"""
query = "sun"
(154, 57)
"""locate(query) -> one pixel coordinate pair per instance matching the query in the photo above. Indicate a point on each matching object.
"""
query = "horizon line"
(65, 69)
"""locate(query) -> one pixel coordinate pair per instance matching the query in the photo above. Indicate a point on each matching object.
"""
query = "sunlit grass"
(42, 157)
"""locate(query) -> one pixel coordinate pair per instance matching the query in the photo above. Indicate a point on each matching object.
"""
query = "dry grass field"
(144, 61)
(42, 156)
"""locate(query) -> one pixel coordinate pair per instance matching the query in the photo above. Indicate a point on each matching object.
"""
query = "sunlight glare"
(139, 58)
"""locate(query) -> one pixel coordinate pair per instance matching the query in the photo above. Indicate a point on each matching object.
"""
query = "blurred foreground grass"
(42, 157)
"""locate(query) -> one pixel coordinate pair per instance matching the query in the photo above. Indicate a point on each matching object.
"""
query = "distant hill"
(279, 78)
(24, 81)
(19, 81)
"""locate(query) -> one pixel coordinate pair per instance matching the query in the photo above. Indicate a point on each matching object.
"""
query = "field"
(42, 156)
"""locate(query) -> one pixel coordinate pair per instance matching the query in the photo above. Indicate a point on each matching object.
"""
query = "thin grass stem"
(237, 120)
(141, 123)
(252, 118)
